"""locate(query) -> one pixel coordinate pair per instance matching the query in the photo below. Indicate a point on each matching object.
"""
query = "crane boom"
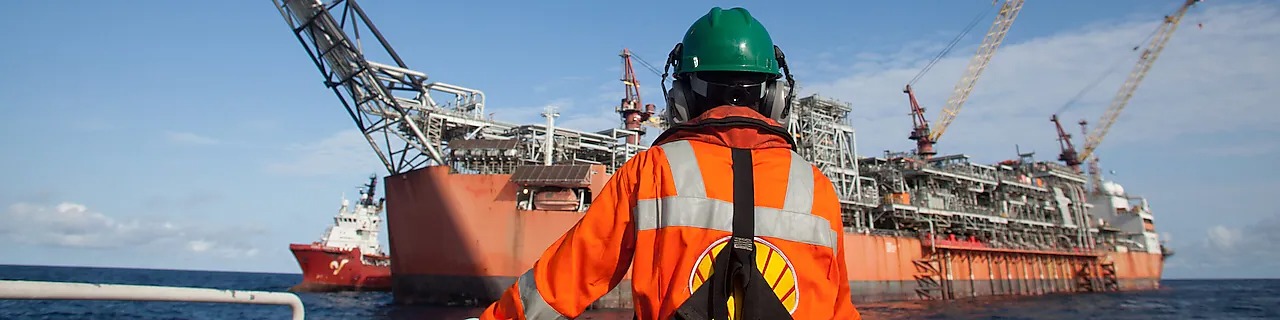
(405, 130)
(1145, 61)
(412, 123)
(921, 133)
(995, 35)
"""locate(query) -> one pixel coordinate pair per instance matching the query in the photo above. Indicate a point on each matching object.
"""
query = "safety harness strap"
(734, 268)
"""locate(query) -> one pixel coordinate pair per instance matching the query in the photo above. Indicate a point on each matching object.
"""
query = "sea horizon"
(300, 273)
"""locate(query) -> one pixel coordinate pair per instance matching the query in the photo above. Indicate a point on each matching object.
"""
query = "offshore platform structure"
(412, 123)
(825, 137)
(1018, 214)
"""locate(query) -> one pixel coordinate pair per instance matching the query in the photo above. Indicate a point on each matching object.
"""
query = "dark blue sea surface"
(1177, 299)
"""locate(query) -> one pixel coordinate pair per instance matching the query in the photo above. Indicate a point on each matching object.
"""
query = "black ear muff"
(679, 99)
(777, 101)
(778, 94)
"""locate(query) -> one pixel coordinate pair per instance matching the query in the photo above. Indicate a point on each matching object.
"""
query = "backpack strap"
(734, 270)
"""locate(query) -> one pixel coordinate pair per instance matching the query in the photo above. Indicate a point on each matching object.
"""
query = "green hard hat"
(727, 40)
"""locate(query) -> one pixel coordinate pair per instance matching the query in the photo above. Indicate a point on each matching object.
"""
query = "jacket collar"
(730, 126)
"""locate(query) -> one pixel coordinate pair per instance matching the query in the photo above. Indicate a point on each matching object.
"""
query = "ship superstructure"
(1129, 216)
(357, 228)
(473, 201)
(348, 255)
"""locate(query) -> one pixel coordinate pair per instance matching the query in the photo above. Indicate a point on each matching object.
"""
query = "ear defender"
(777, 103)
(678, 97)
(778, 94)
(678, 102)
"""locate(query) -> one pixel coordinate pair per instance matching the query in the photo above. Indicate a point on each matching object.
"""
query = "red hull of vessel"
(334, 269)
(459, 239)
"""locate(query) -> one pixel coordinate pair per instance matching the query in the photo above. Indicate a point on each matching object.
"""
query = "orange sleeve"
(827, 205)
(584, 263)
(844, 296)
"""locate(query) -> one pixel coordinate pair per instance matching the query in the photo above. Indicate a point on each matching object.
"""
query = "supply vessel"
(348, 256)
(472, 202)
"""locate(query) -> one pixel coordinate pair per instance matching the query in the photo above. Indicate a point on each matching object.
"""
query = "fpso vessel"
(938, 229)
(472, 202)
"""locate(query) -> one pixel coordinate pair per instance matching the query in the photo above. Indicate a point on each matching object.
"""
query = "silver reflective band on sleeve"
(718, 215)
(799, 186)
(534, 306)
(684, 169)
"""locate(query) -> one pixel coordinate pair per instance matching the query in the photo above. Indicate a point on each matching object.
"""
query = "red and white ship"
(349, 256)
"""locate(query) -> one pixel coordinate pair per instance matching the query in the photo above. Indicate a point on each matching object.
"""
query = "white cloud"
(1250, 246)
(1207, 80)
(340, 153)
(188, 138)
(220, 249)
(69, 224)
(1223, 238)
(199, 245)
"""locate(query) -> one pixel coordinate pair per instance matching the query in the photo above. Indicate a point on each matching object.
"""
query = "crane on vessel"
(412, 123)
(633, 116)
(921, 132)
(1068, 154)
(1147, 58)
(391, 104)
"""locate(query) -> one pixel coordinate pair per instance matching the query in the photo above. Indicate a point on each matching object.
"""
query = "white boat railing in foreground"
(43, 290)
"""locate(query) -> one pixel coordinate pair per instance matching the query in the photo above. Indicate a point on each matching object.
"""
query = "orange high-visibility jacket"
(668, 211)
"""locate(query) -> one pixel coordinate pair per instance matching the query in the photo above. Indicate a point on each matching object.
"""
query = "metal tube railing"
(43, 290)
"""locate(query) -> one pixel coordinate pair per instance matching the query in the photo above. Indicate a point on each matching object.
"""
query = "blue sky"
(197, 135)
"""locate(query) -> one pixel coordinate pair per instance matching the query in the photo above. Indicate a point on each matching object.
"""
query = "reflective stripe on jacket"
(667, 211)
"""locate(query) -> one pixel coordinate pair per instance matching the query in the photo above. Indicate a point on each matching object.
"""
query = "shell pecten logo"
(772, 263)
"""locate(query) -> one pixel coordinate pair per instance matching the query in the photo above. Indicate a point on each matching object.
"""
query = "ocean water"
(1177, 299)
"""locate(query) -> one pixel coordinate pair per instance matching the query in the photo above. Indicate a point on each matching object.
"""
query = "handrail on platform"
(44, 290)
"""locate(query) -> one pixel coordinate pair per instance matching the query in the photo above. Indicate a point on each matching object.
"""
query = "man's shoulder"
(824, 189)
(818, 176)
(645, 160)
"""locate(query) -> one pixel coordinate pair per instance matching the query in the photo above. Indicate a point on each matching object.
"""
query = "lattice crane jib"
(925, 135)
(995, 36)
(1145, 61)
(392, 105)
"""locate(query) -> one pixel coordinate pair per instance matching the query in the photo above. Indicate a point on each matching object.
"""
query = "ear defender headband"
(774, 99)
